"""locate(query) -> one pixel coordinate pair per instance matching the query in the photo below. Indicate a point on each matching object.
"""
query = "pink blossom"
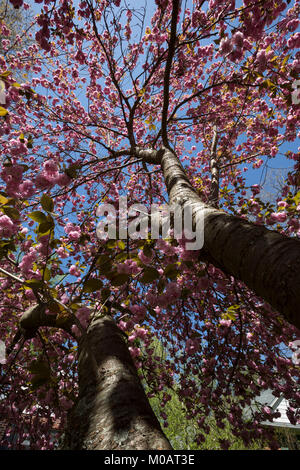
(138, 310)
(261, 58)
(63, 179)
(294, 41)
(80, 57)
(122, 325)
(173, 290)
(225, 46)
(74, 235)
(28, 260)
(255, 188)
(132, 337)
(278, 216)
(26, 189)
(135, 352)
(61, 252)
(224, 322)
(73, 231)
(258, 163)
(293, 25)
(140, 332)
(238, 39)
(83, 315)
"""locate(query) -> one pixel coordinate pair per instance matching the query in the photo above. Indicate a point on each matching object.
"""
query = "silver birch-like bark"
(265, 260)
(112, 411)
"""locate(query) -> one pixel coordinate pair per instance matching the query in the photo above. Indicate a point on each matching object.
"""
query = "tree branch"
(171, 52)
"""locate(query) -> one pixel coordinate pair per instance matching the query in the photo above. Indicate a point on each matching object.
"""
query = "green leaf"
(105, 293)
(41, 372)
(72, 170)
(8, 244)
(38, 216)
(47, 274)
(39, 366)
(103, 259)
(171, 271)
(231, 313)
(92, 285)
(34, 283)
(105, 268)
(30, 142)
(119, 279)
(3, 200)
(149, 275)
(3, 111)
(285, 60)
(122, 256)
(5, 74)
(121, 244)
(11, 212)
(45, 227)
(147, 251)
(161, 285)
(47, 203)
(185, 293)
(111, 244)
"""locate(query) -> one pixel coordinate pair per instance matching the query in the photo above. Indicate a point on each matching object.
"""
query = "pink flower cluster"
(277, 217)
(294, 41)
(172, 294)
(83, 314)
(134, 351)
(74, 270)
(15, 186)
(50, 176)
(7, 227)
(233, 46)
(28, 260)
(138, 332)
(73, 231)
(128, 267)
(139, 311)
(61, 252)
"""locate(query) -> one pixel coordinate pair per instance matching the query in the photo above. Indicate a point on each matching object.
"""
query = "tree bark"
(112, 411)
(266, 261)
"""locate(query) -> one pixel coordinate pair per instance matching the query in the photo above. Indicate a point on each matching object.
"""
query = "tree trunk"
(112, 411)
(266, 261)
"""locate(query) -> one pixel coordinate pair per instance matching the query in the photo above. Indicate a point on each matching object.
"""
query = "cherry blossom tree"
(169, 104)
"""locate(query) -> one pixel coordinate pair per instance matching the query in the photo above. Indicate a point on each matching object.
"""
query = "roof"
(280, 404)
